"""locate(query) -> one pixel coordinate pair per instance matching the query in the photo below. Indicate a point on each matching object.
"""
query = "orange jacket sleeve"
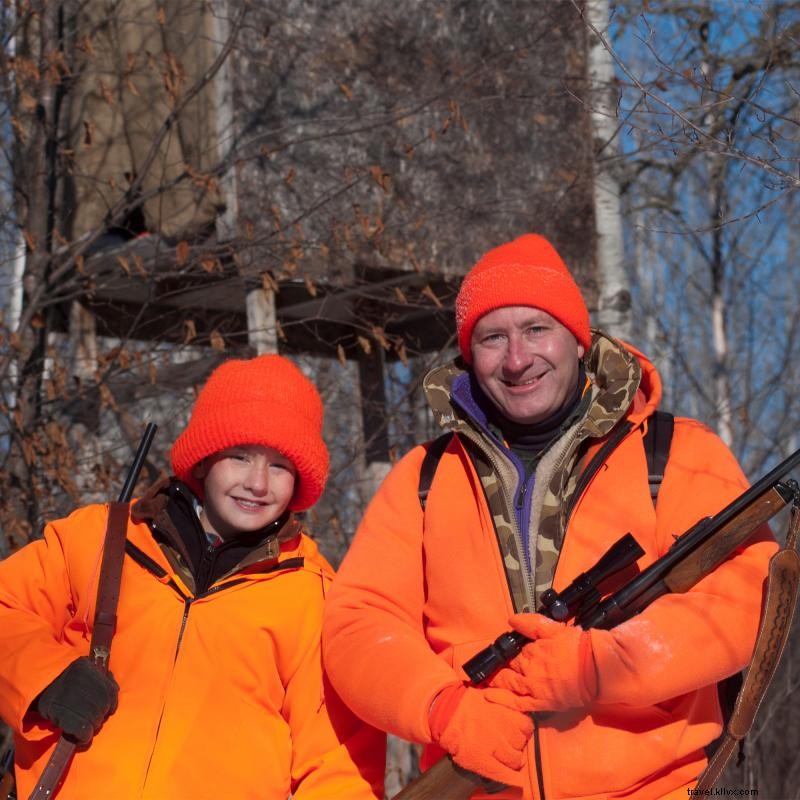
(373, 640)
(685, 641)
(36, 604)
(334, 754)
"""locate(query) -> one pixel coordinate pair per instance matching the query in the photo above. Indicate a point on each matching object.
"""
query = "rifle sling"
(773, 633)
(105, 615)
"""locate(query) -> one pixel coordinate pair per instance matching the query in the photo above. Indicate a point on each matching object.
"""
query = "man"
(216, 687)
(546, 470)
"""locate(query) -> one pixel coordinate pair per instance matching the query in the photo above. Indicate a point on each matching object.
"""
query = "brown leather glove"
(79, 699)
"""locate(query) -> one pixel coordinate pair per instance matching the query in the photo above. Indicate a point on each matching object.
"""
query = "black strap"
(433, 454)
(657, 440)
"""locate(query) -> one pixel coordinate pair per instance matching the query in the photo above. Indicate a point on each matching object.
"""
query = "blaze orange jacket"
(221, 695)
(416, 596)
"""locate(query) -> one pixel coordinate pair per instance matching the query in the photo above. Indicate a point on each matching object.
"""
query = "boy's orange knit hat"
(525, 272)
(265, 400)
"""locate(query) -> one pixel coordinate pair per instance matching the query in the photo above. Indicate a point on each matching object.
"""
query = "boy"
(216, 687)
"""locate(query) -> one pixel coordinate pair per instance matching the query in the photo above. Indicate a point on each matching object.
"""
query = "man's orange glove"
(556, 671)
(481, 732)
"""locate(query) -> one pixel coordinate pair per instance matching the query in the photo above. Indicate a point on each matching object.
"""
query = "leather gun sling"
(105, 617)
(773, 633)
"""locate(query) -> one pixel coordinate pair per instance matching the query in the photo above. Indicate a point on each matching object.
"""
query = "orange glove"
(554, 672)
(481, 732)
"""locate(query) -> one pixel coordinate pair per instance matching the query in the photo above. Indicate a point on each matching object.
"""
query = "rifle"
(693, 555)
(105, 612)
(7, 789)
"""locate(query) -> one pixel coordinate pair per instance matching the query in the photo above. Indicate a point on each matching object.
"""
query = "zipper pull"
(521, 496)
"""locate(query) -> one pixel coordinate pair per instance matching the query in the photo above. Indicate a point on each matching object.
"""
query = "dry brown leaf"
(182, 252)
(27, 101)
(340, 354)
(365, 344)
(310, 286)
(383, 179)
(108, 95)
(268, 283)
(346, 90)
(106, 398)
(428, 292)
(190, 331)
(216, 340)
(380, 336)
(84, 44)
(123, 262)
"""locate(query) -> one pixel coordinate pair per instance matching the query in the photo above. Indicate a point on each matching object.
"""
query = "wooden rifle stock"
(443, 781)
(103, 628)
(693, 556)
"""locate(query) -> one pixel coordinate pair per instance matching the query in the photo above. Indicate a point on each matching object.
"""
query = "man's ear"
(200, 470)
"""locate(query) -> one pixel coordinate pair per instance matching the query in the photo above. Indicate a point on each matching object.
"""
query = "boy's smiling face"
(246, 488)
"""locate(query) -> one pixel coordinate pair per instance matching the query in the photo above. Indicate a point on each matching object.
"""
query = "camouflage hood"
(624, 384)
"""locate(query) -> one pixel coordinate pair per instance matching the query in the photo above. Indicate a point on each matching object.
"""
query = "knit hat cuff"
(517, 284)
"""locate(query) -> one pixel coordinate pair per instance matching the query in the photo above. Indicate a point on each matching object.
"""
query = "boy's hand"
(554, 672)
(481, 732)
(79, 699)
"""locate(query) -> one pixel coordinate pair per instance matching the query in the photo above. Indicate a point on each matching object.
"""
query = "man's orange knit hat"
(265, 400)
(525, 272)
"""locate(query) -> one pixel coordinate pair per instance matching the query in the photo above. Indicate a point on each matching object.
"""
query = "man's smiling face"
(525, 361)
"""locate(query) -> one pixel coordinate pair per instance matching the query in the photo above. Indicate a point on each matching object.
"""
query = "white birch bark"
(614, 307)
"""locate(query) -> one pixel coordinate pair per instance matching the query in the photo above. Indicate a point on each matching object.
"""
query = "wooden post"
(262, 321)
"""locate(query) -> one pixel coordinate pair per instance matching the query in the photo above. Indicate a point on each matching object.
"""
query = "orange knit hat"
(525, 272)
(265, 400)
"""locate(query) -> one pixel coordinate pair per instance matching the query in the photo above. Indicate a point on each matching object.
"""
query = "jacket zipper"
(498, 468)
(156, 569)
(537, 750)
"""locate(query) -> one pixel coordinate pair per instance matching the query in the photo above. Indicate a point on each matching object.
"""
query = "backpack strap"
(657, 440)
(433, 454)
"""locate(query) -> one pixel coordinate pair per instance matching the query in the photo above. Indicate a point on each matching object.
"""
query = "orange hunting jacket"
(221, 695)
(417, 596)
